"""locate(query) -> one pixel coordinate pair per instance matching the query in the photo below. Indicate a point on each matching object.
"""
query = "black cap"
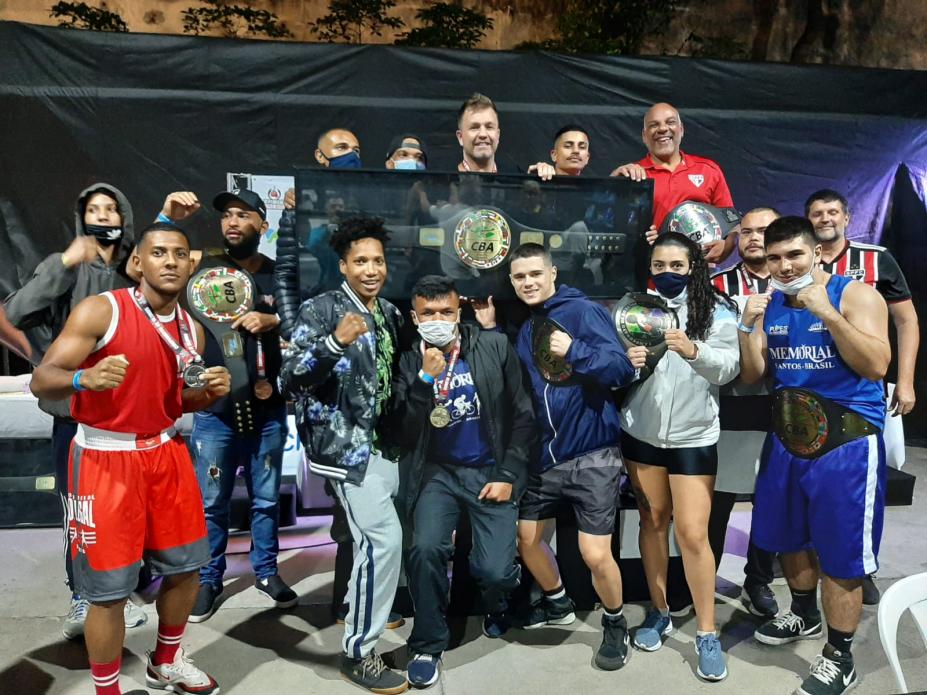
(249, 199)
(407, 140)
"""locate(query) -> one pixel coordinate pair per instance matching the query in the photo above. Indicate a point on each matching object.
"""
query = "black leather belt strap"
(216, 296)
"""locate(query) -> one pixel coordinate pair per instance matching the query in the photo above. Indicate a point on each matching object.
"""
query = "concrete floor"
(252, 648)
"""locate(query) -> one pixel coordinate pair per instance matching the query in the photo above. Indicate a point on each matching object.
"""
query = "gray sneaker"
(134, 615)
(74, 622)
(372, 674)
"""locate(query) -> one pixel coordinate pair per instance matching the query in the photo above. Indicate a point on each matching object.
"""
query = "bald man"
(678, 177)
(337, 148)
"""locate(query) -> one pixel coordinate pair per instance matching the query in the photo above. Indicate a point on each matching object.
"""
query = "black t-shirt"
(265, 303)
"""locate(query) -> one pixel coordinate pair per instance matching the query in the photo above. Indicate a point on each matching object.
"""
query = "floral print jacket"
(335, 388)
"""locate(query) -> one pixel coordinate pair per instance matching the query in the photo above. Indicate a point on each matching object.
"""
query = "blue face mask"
(670, 284)
(351, 160)
(408, 165)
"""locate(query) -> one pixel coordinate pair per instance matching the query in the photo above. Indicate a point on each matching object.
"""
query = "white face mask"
(795, 286)
(438, 333)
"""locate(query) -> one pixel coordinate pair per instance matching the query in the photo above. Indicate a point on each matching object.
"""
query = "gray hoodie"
(41, 307)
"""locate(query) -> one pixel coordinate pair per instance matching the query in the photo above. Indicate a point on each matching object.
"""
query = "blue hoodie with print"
(581, 417)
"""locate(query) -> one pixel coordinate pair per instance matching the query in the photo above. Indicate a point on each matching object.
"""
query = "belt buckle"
(804, 428)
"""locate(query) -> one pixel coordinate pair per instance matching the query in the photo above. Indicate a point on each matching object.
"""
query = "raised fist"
(108, 373)
(82, 250)
(755, 308)
(350, 328)
(433, 362)
(180, 205)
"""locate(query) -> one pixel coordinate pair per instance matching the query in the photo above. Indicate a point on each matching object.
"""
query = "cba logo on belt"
(482, 239)
(221, 294)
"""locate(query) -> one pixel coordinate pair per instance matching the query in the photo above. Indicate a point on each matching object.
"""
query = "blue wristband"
(163, 218)
(745, 329)
(427, 378)
(75, 382)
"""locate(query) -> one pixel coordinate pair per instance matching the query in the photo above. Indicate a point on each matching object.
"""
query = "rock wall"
(886, 33)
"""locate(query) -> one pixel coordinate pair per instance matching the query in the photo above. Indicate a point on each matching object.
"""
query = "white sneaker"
(181, 676)
(77, 614)
(134, 615)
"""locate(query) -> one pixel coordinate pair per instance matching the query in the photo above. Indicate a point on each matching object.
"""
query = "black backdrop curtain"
(152, 114)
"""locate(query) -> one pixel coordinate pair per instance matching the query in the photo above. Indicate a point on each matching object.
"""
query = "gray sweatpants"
(377, 553)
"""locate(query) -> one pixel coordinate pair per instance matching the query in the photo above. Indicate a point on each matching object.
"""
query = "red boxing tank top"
(148, 401)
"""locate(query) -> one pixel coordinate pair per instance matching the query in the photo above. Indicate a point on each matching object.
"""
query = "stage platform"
(251, 647)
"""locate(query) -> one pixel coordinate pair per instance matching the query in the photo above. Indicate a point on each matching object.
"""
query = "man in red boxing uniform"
(130, 359)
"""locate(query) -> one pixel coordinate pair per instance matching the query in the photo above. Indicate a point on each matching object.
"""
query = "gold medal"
(263, 389)
(440, 416)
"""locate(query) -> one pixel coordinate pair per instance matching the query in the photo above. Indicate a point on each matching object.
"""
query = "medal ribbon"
(261, 365)
(444, 388)
(186, 353)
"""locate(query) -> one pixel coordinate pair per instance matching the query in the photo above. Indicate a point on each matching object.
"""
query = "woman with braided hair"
(669, 436)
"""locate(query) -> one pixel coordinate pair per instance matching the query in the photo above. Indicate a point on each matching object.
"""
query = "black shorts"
(687, 460)
(589, 482)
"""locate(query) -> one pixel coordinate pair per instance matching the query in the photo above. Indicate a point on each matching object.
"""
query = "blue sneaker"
(424, 670)
(710, 658)
(649, 635)
(495, 625)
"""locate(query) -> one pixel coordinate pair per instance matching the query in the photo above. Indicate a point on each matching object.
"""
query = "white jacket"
(678, 405)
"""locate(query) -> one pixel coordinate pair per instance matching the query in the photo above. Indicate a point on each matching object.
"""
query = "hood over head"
(125, 210)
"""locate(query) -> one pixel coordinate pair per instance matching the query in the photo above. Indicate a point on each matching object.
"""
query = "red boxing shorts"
(131, 498)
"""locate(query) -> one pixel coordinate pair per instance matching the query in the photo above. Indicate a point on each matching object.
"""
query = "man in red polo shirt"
(678, 177)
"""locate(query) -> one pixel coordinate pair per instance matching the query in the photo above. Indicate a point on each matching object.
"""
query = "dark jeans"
(759, 566)
(219, 451)
(446, 491)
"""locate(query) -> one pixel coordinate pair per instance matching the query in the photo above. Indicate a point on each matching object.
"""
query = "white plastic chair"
(909, 593)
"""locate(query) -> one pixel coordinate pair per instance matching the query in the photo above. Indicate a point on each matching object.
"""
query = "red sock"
(168, 643)
(106, 677)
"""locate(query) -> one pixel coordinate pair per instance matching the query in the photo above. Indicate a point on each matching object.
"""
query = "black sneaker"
(871, 593)
(789, 627)
(760, 600)
(274, 587)
(548, 611)
(614, 651)
(832, 673)
(395, 619)
(206, 602)
(371, 674)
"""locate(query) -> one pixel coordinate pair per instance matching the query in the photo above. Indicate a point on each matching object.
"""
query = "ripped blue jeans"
(218, 453)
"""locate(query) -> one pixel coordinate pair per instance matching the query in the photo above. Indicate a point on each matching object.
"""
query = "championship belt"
(554, 370)
(217, 296)
(643, 319)
(703, 224)
(810, 425)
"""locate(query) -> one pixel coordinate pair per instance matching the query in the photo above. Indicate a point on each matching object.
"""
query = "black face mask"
(105, 235)
(245, 249)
